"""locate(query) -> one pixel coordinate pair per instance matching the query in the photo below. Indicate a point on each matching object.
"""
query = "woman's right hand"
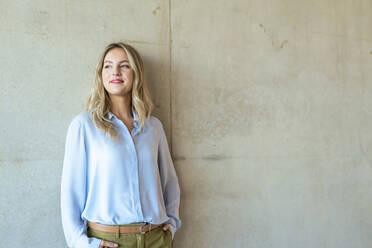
(105, 243)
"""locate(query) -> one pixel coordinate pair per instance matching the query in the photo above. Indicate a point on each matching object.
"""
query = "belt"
(123, 229)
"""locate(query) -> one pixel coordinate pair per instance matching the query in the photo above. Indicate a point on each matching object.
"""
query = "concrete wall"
(266, 104)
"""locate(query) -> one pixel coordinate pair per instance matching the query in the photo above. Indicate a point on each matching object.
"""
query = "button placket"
(134, 131)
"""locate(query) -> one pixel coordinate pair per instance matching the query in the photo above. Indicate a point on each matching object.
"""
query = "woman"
(119, 187)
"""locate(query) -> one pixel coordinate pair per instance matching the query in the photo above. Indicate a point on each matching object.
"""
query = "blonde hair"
(98, 103)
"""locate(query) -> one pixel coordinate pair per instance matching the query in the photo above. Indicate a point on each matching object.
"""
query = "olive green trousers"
(156, 238)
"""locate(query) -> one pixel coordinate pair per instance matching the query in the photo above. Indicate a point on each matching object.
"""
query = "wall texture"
(266, 104)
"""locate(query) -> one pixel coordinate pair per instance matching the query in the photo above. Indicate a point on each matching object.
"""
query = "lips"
(116, 81)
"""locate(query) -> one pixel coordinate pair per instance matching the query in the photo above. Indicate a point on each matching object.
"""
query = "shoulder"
(157, 126)
(81, 119)
(155, 122)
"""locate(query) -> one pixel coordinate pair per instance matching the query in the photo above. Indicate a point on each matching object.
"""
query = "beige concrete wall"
(266, 104)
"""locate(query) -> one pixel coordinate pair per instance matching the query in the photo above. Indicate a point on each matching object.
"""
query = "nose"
(116, 71)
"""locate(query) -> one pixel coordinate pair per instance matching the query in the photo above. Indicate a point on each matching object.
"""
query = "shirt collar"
(135, 118)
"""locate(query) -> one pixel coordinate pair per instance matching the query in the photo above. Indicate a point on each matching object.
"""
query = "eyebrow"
(108, 61)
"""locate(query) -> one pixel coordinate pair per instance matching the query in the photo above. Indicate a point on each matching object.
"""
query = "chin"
(119, 93)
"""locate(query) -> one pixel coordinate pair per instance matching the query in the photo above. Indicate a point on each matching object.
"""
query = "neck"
(121, 106)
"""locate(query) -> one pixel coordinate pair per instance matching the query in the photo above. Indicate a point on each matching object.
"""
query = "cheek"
(104, 76)
(131, 74)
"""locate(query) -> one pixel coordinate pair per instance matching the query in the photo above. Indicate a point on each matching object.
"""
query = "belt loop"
(117, 231)
(149, 227)
(141, 228)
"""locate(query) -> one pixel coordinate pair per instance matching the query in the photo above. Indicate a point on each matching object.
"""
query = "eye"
(106, 66)
(124, 66)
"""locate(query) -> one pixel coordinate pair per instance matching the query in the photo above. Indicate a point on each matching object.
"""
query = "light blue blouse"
(132, 180)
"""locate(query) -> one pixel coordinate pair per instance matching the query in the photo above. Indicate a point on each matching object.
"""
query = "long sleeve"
(169, 182)
(73, 189)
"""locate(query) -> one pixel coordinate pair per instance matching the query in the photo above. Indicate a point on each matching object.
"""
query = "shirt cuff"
(172, 230)
(97, 242)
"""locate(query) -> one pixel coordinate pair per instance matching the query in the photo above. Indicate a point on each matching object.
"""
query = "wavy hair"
(98, 103)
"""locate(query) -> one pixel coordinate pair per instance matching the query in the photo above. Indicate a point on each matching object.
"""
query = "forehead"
(116, 54)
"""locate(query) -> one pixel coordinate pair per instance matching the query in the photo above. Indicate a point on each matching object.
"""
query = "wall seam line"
(170, 75)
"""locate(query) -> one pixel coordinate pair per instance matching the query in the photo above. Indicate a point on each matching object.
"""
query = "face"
(117, 74)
